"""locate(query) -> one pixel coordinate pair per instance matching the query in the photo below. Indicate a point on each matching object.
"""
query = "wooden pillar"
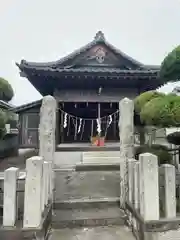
(99, 116)
(57, 125)
(61, 125)
(115, 125)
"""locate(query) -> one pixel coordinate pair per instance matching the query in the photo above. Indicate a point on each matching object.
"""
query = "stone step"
(100, 203)
(73, 158)
(71, 184)
(87, 217)
(100, 157)
(101, 154)
(99, 160)
(96, 233)
(98, 167)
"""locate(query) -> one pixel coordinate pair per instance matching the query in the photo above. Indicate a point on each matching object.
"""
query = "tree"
(139, 102)
(6, 90)
(170, 67)
(159, 110)
(162, 111)
(6, 94)
(3, 120)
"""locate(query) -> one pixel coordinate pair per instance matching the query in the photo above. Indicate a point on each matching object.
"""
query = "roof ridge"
(99, 38)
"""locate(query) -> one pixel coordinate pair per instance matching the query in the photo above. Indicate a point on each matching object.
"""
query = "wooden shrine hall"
(88, 85)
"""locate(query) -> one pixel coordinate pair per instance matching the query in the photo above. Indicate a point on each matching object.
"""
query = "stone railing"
(27, 214)
(152, 207)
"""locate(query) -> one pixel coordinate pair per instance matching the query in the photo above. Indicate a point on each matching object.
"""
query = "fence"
(27, 195)
(152, 202)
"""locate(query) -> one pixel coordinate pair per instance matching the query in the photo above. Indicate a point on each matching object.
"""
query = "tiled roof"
(91, 69)
(6, 105)
(99, 38)
(27, 106)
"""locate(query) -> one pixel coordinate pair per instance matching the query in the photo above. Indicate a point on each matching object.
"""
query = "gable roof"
(27, 106)
(99, 38)
(5, 105)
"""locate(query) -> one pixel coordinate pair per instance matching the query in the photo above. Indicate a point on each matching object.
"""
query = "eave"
(27, 106)
(88, 70)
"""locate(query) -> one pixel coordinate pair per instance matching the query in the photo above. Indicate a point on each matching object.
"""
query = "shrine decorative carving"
(99, 54)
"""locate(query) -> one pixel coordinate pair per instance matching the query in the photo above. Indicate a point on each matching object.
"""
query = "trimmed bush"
(162, 111)
(144, 98)
(159, 150)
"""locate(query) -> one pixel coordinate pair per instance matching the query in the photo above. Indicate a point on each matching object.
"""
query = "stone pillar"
(136, 191)
(9, 203)
(136, 184)
(149, 186)
(47, 129)
(126, 134)
(169, 176)
(33, 192)
(131, 164)
(45, 185)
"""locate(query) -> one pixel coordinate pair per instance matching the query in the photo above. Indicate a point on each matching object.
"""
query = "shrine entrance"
(81, 121)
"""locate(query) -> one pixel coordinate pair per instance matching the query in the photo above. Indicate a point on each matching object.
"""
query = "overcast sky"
(45, 30)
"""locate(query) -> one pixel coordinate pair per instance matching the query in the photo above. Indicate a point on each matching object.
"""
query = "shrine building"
(88, 85)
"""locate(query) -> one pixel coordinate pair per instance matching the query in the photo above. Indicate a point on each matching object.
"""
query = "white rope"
(80, 124)
(65, 120)
(98, 126)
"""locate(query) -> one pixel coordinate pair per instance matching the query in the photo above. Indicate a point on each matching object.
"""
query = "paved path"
(97, 233)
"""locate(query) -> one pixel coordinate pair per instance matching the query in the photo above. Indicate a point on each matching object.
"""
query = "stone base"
(19, 233)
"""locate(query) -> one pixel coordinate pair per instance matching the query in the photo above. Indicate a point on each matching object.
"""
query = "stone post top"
(147, 155)
(130, 160)
(167, 165)
(12, 169)
(126, 100)
(49, 98)
(35, 158)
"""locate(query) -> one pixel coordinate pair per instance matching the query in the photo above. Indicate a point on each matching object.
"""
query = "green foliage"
(5, 117)
(170, 67)
(6, 90)
(174, 138)
(162, 111)
(159, 150)
(3, 120)
(145, 97)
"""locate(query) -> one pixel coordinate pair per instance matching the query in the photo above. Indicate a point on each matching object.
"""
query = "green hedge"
(162, 111)
(159, 150)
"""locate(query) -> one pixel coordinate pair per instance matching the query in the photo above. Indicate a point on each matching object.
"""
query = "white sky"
(45, 30)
